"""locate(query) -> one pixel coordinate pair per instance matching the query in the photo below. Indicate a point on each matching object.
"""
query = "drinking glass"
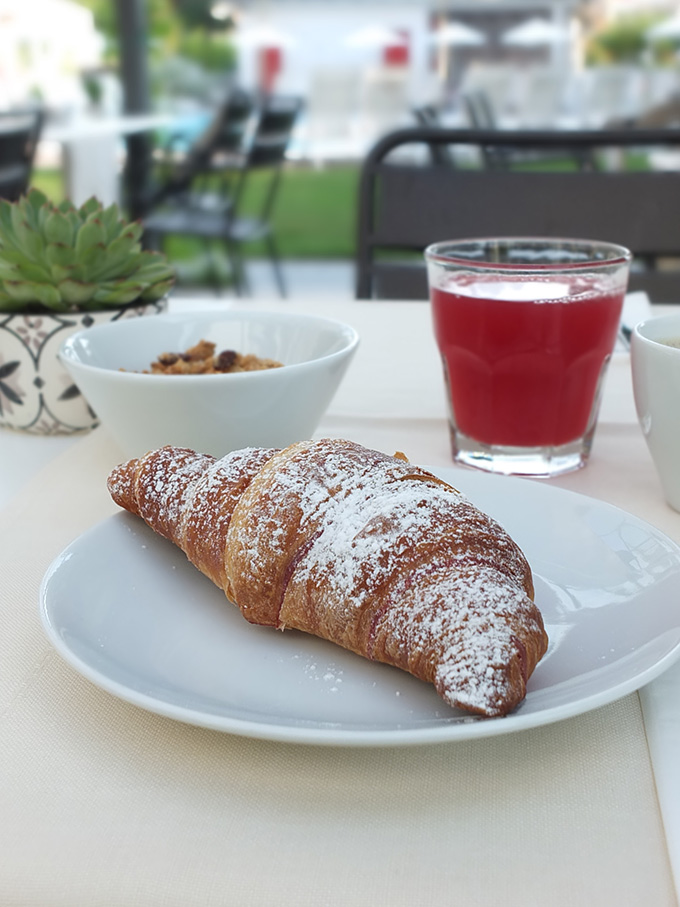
(525, 327)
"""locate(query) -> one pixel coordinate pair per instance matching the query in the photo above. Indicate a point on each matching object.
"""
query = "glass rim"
(618, 254)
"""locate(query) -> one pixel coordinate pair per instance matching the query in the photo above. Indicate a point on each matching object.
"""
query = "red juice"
(522, 372)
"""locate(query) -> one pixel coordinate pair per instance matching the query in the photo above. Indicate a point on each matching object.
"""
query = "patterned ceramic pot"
(36, 393)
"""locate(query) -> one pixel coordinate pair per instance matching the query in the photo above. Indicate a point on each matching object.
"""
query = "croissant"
(359, 548)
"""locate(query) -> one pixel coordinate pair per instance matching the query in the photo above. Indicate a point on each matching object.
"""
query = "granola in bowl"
(201, 359)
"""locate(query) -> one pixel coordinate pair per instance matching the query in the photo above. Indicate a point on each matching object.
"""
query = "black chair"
(189, 177)
(19, 134)
(227, 221)
(402, 208)
(498, 156)
(428, 115)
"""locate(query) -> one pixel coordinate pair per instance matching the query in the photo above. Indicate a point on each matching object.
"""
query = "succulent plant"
(65, 258)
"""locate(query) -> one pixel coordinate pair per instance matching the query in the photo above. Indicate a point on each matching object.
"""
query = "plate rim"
(467, 728)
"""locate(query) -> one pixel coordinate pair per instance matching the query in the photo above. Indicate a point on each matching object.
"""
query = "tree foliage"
(164, 26)
(197, 14)
(623, 40)
(175, 27)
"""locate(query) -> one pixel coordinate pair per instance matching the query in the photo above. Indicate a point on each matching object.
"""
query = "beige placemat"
(104, 804)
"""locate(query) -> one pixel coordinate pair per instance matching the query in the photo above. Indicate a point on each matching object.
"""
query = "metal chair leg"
(238, 270)
(213, 267)
(276, 264)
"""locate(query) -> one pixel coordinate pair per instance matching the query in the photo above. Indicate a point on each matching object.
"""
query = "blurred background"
(127, 90)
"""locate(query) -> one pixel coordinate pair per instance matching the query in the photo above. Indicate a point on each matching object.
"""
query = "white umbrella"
(535, 32)
(263, 36)
(668, 29)
(457, 33)
(374, 36)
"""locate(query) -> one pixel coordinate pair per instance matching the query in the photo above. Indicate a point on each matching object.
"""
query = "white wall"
(319, 34)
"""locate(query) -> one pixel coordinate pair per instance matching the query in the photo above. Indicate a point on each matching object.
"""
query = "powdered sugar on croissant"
(359, 548)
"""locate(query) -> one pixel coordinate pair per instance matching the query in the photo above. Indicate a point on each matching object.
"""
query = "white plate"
(127, 610)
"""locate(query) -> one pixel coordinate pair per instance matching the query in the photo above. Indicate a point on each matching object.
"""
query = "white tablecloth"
(103, 803)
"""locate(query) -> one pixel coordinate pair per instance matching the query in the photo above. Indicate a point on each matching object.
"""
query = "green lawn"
(49, 182)
(314, 216)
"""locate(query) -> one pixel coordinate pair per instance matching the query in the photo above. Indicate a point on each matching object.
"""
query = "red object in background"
(397, 54)
(271, 64)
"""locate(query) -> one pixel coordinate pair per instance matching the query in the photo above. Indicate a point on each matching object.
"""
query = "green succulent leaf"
(67, 207)
(65, 257)
(25, 267)
(27, 271)
(158, 290)
(26, 238)
(32, 204)
(151, 270)
(75, 292)
(29, 291)
(151, 257)
(8, 271)
(58, 229)
(122, 257)
(32, 243)
(5, 221)
(17, 220)
(57, 253)
(113, 224)
(36, 199)
(90, 234)
(60, 273)
(119, 292)
(135, 229)
(91, 206)
(30, 216)
(92, 261)
(46, 211)
(75, 222)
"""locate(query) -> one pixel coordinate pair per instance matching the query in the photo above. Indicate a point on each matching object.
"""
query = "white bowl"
(211, 413)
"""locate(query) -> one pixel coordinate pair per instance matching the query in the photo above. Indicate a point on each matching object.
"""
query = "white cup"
(655, 359)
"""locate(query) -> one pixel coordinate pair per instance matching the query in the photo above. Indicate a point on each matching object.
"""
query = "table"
(103, 803)
(91, 149)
